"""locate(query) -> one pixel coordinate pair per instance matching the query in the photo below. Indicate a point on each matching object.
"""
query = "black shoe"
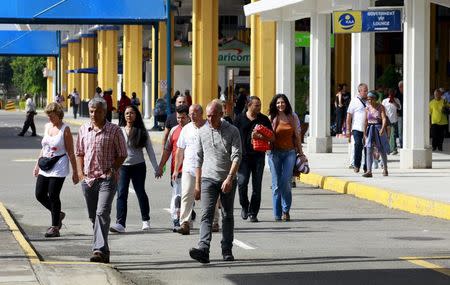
(227, 255)
(244, 214)
(52, 232)
(294, 185)
(253, 219)
(33, 135)
(20, 134)
(99, 257)
(199, 254)
(193, 215)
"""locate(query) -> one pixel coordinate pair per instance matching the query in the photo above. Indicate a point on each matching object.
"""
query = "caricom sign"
(367, 21)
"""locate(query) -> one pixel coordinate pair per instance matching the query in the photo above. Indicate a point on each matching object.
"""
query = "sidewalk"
(418, 191)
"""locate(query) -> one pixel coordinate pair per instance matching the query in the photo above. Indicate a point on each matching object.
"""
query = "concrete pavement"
(330, 172)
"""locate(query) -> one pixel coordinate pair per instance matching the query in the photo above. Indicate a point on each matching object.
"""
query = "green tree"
(27, 74)
(6, 72)
(390, 77)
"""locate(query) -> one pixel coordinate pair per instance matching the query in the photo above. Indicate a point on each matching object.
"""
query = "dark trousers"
(75, 110)
(109, 116)
(210, 192)
(251, 165)
(47, 193)
(121, 117)
(437, 136)
(136, 173)
(359, 148)
(340, 118)
(29, 122)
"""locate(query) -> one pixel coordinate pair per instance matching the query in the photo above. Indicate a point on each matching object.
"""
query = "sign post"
(367, 21)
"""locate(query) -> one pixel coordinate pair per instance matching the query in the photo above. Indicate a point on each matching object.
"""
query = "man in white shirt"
(356, 118)
(30, 109)
(187, 155)
(392, 105)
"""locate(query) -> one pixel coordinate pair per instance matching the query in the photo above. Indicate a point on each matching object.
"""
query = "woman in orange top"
(283, 155)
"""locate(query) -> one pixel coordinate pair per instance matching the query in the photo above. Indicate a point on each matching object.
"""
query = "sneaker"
(394, 152)
(200, 255)
(294, 184)
(99, 257)
(193, 215)
(227, 255)
(20, 134)
(253, 219)
(184, 229)
(215, 228)
(52, 232)
(244, 213)
(385, 172)
(278, 219)
(145, 225)
(33, 135)
(286, 217)
(356, 169)
(176, 225)
(117, 228)
(62, 215)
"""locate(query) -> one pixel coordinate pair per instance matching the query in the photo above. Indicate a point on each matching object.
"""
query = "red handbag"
(259, 144)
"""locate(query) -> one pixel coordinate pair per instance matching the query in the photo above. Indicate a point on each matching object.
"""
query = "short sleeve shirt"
(171, 145)
(358, 112)
(188, 141)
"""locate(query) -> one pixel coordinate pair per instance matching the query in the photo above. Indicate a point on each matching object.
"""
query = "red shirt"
(99, 149)
(123, 103)
(171, 145)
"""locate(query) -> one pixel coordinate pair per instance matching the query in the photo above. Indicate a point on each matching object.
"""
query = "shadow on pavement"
(349, 277)
(10, 140)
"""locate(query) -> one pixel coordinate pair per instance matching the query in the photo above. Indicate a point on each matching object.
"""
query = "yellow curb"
(390, 199)
(21, 240)
(428, 265)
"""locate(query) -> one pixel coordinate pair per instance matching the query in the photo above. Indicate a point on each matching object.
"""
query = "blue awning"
(29, 43)
(82, 11)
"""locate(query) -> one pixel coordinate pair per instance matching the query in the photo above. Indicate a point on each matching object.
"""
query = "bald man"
(219, 153)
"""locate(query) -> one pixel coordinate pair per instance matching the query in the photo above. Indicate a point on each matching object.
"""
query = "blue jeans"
(136, 173)
(359, 148)
(281, 165)
(251, 165)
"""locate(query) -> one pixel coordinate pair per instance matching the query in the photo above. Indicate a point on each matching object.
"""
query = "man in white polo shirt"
(356, 118)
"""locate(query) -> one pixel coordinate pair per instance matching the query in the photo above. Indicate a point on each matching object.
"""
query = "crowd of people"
(211, 159)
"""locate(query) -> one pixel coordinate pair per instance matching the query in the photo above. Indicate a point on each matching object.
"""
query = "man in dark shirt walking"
(252, 161)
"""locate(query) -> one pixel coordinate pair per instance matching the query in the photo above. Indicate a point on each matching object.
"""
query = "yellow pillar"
(63, 72)
(51, 80)
(74, 56)
(162, 57)
(88, 60)
(132, 61)
(205, 49)
(262, 60)
(342, 61)
(107, 61)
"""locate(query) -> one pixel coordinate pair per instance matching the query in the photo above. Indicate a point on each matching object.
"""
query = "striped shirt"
(99, 149)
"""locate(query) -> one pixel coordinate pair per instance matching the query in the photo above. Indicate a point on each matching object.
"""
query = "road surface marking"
(243, 245)
(428, 265)
(25, 160)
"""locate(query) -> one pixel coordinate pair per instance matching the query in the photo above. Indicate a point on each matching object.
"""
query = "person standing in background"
(391, 106)
(75, 101)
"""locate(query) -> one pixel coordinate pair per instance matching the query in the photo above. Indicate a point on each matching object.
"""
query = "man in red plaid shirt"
(100, 151)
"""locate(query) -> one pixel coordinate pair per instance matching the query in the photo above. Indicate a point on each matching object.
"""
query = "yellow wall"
(205, 50)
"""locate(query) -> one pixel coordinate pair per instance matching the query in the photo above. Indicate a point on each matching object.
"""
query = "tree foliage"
(301, 89)
(27, 74)
(6, 72)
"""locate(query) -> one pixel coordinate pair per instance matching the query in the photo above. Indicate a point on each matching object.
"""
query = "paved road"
(332, 239)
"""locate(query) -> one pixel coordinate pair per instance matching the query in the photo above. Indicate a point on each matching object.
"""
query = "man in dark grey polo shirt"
(220, 143)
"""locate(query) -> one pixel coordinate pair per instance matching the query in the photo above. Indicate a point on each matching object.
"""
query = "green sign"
(302, 39)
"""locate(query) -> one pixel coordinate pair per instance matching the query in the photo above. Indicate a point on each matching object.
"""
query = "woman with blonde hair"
(53, 165)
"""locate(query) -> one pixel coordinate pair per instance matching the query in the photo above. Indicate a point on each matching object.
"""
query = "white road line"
(242, 244)
(168, 210)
